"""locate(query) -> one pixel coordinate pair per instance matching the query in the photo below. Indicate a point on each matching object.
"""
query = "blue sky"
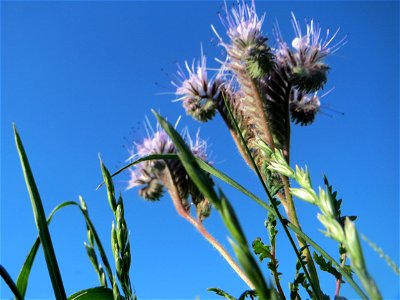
(78, 79)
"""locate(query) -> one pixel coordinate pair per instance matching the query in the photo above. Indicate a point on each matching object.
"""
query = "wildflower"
(305, 58)
(248, 45)
(303, 107)
(154, 176)
(200, 95)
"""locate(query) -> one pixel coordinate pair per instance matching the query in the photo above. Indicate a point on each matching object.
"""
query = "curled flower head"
(199, 94)
(303, 108)
(154, 176)
(248, 45)
(242, 24)
(305, 57)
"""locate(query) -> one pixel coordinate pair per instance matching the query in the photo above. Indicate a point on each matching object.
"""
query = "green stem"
(7, 278)
(176, 200)
(286, 224)
(277, 213)
(293, 219)
(275, 272)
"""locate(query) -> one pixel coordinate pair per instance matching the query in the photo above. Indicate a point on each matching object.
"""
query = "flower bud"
(304, 109)
(310, 78)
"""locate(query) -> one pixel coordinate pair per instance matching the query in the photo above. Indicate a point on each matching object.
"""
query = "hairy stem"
(176, 200)
(339, 280)
(275, 208)
(275, 273)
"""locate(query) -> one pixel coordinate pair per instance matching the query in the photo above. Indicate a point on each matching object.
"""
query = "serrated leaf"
(325, 265)
(263, 251)
(240, 188)
(222, 293)
(248, 293)
(97, 293)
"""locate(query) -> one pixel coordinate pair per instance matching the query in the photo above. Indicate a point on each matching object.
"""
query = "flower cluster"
(247, 48)
(153, 176)
(305, 57)
(200, 95)
(304, 107)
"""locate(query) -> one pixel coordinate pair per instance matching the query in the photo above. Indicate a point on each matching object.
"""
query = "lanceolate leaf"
(240, 188)
(8, 280)
(41, 223)
(22, 281)
(188, 160)
(97, 293)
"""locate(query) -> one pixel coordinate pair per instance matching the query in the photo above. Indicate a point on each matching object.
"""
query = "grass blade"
(22, 281)
(206, 167)
(8, 280)
(97, 293)
(204, 184)
(41, 223)
(23, 276)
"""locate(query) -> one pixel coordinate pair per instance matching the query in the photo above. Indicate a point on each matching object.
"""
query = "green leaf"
(23, 276)
(40, 220)
(248, 293)
(252, 270)
(97, 293)
(22, 281)
(240, 188)
(263, 251)
(8, 280)
(199, 178)
(326, 266)
(222, 293)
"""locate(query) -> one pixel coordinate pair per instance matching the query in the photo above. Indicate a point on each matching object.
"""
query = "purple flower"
(305, 57)
(247, 49)
(303, 107)
(199, 94)
(154, 176)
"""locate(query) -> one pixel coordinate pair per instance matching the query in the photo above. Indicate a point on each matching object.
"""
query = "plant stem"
(275, 208)
(292, 215)
(176, 200)
(7, 278)
(339, 280)
(275, 273)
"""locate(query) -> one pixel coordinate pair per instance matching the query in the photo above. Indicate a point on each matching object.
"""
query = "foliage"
(259, 91)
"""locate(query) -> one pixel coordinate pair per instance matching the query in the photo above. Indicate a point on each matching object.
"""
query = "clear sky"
(78, 78)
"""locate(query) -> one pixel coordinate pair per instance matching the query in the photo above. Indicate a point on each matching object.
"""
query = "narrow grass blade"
(204, 184)
(206, 167)
(188, 160)
(41, 223)
(8, 280)
(97, 293)
(22, 281)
